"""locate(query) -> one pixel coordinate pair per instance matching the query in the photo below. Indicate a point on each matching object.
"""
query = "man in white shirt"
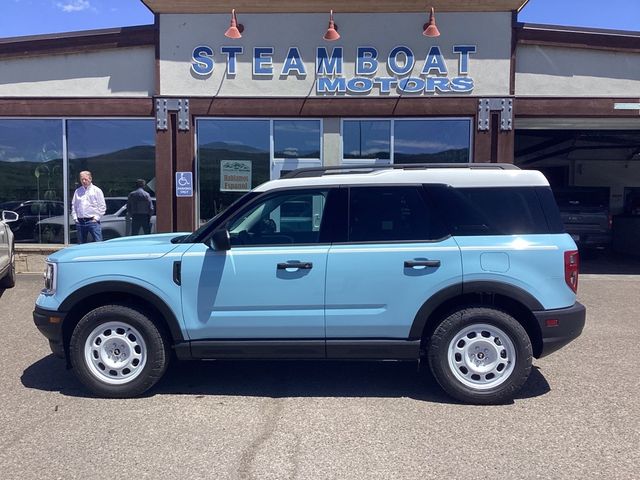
(87, 207)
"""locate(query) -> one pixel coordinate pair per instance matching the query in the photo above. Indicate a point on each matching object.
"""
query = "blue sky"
(34, 17)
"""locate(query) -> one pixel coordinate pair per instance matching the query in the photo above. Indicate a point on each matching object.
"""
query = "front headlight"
(50, 278)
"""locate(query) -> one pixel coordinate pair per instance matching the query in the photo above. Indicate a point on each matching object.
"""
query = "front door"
(271, 284)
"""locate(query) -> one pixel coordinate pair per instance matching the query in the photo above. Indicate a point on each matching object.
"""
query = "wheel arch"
(116, 292)
(508, 298)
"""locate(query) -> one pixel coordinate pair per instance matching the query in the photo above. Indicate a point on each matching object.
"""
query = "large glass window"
(31, 175)
(117, 152)
(296, 139)
(407, 140)
(431, 141)
(233, 157)
(366, 139)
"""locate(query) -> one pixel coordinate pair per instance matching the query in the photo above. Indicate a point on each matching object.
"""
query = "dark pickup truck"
(586, 216)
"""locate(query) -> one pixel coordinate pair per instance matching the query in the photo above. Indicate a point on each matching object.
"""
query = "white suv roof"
(456, 175)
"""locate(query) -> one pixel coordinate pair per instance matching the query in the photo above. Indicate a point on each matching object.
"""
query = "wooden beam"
(342, 6)
(571, 107)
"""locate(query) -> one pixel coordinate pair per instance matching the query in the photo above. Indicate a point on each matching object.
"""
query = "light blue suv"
(464, 266)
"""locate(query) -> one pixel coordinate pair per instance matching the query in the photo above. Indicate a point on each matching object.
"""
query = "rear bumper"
(49, 322)
(570, 322)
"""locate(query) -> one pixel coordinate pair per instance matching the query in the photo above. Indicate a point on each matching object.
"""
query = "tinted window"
(366, 139)
(296, 138)
(551, 210)
(279, 219)
(431, 141)
(390, 214)
(491, 211)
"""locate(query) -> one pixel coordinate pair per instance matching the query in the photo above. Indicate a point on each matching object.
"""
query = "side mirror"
(221, 240)
(9, 216)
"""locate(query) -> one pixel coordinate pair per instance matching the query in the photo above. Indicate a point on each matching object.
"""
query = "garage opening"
(593, 166)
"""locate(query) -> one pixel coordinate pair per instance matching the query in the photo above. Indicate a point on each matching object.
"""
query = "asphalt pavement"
(577, 417)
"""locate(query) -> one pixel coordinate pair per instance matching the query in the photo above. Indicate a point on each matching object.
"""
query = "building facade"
(203, 117)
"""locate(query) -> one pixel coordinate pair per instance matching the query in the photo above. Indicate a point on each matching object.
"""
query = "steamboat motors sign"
(400, 70)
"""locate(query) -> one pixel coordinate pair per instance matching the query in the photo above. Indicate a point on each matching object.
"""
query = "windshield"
(211, 225)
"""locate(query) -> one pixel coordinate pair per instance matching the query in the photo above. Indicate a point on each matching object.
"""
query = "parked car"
(466, 267)
(586, 217)
(7, 250)
(27, 229)
(114, 223)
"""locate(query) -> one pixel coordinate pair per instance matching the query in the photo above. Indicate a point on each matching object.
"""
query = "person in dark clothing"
(140, 209)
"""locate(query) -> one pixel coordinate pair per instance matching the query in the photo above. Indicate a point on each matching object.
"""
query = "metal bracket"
(502, 105)
(166, 105)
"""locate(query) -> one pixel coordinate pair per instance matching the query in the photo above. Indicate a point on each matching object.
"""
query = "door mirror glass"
(220, 240)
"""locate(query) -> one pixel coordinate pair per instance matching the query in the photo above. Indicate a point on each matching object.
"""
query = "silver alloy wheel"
(481, 356)
(115, 353)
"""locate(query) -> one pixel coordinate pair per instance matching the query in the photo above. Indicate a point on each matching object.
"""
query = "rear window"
(496, 210)
(582, 197)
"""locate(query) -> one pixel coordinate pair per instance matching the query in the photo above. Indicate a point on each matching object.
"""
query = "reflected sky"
(30, 140)
(89, 138)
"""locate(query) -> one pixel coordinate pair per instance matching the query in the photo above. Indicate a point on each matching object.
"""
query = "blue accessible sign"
(184, 184)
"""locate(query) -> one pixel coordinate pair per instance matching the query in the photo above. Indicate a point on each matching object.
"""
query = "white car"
(7, 250)
(114, 223)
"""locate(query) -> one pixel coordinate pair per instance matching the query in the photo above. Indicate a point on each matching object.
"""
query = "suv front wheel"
(480, 355)
(118, 352)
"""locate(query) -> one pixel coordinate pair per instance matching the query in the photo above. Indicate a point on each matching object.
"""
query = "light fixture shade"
(234, 30)
(430, 29)
(332, 32)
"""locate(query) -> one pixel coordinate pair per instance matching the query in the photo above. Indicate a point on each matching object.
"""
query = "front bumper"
(49, 322)
(570, 322)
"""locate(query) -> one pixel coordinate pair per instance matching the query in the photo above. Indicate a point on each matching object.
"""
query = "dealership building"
(205, 104)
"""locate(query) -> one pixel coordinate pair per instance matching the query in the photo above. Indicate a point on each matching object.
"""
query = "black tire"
(105, 346)
(472, 360)
(9, 280)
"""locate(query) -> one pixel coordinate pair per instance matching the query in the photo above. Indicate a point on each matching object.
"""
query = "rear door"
(395, 256)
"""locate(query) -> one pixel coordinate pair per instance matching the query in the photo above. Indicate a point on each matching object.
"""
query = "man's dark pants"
(140, 221)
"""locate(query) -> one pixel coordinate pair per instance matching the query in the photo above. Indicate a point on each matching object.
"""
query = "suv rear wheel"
(118, 352)
(480, 355)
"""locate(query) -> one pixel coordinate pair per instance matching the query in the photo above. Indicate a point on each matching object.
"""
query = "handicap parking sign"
(184, 184)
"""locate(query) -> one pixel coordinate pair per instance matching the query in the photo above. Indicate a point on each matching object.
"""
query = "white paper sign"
(235, 175)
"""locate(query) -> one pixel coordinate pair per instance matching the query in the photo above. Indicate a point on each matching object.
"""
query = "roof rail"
(346, 169)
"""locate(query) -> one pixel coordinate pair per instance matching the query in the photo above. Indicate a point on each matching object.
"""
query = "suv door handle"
(300, 265)
(421, 263)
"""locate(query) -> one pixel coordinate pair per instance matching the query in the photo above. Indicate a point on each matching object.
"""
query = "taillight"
(571, 264)
(610, 222)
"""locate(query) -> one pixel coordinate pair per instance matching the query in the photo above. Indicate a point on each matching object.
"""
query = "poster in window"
(235, 175)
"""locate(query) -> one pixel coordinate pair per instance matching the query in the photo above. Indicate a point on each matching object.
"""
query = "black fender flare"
(485, 287)
(114, 286)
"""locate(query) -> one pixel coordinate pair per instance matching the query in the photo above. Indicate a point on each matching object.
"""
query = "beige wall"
(180, 34)
(574, 72)
(126, 72)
